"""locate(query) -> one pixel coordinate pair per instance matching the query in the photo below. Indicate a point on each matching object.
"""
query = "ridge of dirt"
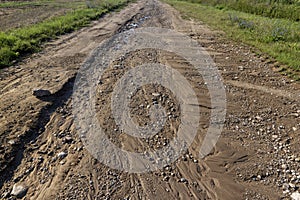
(259, 138)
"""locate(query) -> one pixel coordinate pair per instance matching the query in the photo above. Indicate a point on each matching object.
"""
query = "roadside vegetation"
(278, 37)
(287, 9)
(16, 43)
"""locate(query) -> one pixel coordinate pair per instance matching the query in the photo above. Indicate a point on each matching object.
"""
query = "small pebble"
(182, 180)
(283, 166)
(62, 154)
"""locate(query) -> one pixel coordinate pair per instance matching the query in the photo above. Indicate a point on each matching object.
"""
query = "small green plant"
(90, 4)
(233, 18)
(242, 23)
(7, 56)
(279, 33)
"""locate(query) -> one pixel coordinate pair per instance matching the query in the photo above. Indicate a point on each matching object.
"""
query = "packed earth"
(42, 156)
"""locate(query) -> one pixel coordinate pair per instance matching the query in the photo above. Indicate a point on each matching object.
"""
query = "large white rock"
(19, 190)
(295, 196)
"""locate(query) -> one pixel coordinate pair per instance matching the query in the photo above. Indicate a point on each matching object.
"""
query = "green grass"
(48, 3)
(279, 38)
(12, 4)
(287, 9)
(14, 44)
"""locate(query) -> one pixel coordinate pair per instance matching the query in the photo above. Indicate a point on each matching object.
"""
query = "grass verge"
(16, 43)
(16, 4)
(288, 9)
(279, 38)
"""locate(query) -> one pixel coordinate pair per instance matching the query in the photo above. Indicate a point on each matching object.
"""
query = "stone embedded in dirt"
(295, 196)
(11, 142)
(274, 136)
(19, 190)
(156, 94)
(41, 93)
(134, 25)
(259, 118)
(281, 127)
(286, 191)
(285, 186)
(284, 166)
(258, 177)
(292, 185)
(182, 180)
(68, 139)
(62, 154)
(241, 68)
(166, 178)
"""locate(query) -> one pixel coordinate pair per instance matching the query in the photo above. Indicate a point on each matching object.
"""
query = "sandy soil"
(256, 157)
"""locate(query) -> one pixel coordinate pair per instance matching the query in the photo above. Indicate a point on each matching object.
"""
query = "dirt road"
(256, 157)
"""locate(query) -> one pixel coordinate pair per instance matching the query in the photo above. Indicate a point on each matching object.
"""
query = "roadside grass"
(279, 38)
(288, 9)
(13, 4)
(47, 3)
(16, 43)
